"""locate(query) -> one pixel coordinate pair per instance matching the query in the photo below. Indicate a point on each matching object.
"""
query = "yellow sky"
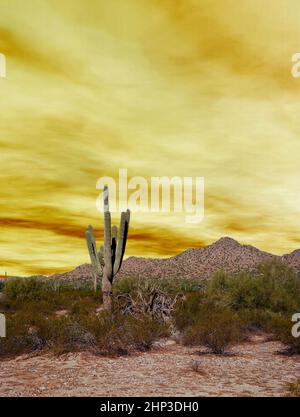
(162, 88)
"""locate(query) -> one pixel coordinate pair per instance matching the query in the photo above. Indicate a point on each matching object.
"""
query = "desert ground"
(255, 368)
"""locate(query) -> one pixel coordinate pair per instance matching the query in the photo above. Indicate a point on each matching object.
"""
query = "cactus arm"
(125, 216)
(127, 220)
(91, 231)
(93, 253)
(101, 256)
(114, 235)
(120, 243)
(114, 232)
(125, 235)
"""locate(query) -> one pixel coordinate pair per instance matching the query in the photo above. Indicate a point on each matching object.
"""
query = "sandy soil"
(253, 369)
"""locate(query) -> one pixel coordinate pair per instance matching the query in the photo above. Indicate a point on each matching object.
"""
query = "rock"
(61, 313)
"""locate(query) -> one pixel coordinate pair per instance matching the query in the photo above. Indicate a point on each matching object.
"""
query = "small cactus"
(108, 260)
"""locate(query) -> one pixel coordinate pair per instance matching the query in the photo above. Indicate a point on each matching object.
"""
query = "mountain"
(293, 259)
(226, 254)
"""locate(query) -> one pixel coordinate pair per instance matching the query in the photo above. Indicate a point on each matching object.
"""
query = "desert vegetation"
(294, 389)
(215, 314)
(231, 306)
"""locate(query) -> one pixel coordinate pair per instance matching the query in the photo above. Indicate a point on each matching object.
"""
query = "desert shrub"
(28, 333)
(44, 300)
(275, 287)
(294, 389)
(26, 289)
(41, 317)
(106, 334)
(278, 325)
(188, 310)
(153, 297)
(281, 285)
(64, 334)
(219, 283)
(145, 330)
(20, 344)
(217, 330)
(130, 285)
(178, 285)
(109, 332)
(126, 285)
(32, 322)
(2, 285)
(204, 322)
(118, 335)
(255, 319)
(247, 292)
(84, 305)
(281, 327)
(21, 334)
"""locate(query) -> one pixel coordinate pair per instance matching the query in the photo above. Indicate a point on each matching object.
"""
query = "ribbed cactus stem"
(124, 224)
(114, 236)
(107, 246)
(114, 232)
(105, 199)
(101, 255)
(93, 251)
(91, 244)
(91, 231)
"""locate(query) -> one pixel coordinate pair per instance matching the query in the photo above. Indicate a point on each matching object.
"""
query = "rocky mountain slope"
(200, 263)
(293, 259)
(226, 254)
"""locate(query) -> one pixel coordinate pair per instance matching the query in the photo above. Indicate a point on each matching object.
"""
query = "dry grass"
(294, 389)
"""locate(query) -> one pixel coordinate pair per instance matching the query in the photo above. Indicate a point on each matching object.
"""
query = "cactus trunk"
(106, 291)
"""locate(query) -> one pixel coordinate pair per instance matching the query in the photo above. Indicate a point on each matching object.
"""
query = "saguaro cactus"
(108, 260)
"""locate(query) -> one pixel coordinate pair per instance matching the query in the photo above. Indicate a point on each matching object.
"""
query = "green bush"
(22, 289)
(119, 335)
(217, 330)
(187, 310)
(256, 319)
(203, 322)
(275, 287)
(281, 327)
(105, 334)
